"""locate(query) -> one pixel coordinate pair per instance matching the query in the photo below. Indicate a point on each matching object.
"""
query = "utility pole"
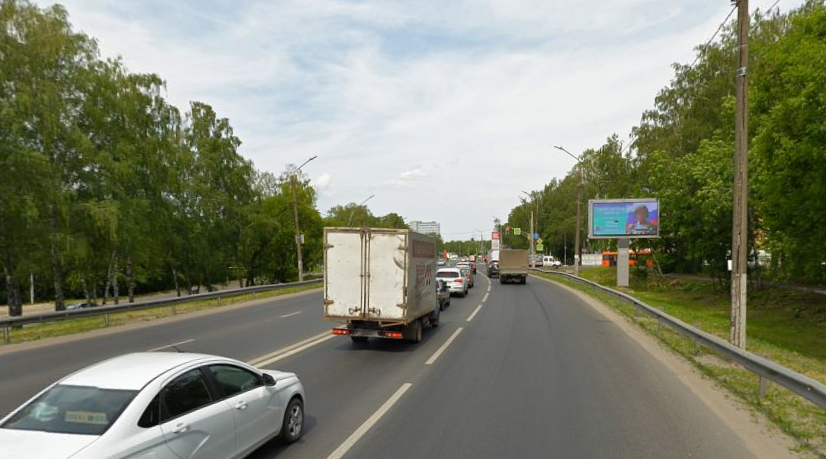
(740, 227)
(577, 248)
(297, 226)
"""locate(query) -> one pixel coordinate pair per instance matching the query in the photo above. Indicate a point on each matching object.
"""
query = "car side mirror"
(269, 380)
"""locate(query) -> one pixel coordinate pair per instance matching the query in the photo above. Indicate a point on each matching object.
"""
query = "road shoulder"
(755, 431)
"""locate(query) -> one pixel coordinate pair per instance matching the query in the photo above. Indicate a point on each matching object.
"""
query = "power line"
(719, 28)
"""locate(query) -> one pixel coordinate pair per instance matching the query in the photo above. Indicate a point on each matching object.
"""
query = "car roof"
(449, 270)
(132, 371)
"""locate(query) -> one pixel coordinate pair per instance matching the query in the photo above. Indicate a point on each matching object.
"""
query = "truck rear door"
(387, 255)
(344, 267)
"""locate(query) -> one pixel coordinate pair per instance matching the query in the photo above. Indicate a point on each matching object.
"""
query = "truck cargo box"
(382, 276)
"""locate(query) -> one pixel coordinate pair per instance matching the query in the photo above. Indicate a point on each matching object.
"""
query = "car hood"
(278, 375)
(29, 444)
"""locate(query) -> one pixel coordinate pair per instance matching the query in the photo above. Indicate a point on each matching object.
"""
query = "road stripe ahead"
(291, 314)
(444, 346)
(370, 422)
(290, 350)
(472, 315)
(170, 345)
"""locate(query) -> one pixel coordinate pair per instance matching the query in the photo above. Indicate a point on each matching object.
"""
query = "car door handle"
(241, 406)
(180, 428)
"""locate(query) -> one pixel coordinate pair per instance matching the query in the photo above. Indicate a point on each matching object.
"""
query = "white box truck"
(380, 282)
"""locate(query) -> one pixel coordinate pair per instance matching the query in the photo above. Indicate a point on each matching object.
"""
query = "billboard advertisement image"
(623, 218)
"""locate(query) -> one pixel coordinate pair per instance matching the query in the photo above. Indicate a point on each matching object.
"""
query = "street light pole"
(577, 251)
(350, 221)
(530, 238)
(297, 226)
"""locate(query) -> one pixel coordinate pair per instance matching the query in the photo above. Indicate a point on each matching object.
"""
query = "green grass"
(788, 327)
(73, 326)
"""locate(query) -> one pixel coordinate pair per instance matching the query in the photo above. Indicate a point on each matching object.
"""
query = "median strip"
(369, 423)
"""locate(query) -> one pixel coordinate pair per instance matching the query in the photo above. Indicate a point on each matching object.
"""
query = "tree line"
(107, 189)
(682, 153)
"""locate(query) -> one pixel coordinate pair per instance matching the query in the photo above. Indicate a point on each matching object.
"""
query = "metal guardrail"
(8, 323)
(801, 385)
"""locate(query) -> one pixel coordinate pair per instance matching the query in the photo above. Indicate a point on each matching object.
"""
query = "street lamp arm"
(569, 153)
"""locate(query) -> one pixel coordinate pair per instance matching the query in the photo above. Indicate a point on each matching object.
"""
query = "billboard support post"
(622, 262)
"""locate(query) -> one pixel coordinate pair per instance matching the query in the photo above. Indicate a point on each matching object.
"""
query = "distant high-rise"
(426, 227)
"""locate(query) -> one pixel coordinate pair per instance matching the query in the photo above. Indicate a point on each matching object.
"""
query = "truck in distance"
(513, 266)
(380, 282)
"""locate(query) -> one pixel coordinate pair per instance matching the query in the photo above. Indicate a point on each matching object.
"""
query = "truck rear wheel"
(415, 331)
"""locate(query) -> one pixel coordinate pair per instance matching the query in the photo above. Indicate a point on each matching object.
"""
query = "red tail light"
(395, 335)
(460, 280)
(340, 331)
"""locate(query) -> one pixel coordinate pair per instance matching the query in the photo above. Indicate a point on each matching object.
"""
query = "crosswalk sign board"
(540, 248)
(517, 231)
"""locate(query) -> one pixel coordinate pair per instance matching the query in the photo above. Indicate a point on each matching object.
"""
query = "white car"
(551, 261)
(456, 281)
(157, 405)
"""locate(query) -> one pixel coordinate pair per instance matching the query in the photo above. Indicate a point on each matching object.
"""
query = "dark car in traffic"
(493, 269)
(443, 294)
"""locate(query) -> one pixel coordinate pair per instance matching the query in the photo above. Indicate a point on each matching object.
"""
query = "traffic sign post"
(517, 231)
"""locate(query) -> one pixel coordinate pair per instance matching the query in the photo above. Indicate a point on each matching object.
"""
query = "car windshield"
(447, 274)
(72, 410)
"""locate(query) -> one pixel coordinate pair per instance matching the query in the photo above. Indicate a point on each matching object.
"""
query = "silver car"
(157, 405)
(456, 281)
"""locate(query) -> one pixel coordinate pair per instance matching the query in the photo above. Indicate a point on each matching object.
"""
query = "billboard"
(623, 218)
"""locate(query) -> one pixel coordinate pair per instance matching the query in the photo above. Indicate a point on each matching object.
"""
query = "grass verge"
(80, 325)
(783, 327)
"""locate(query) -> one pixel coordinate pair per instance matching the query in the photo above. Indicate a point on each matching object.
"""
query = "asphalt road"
(534, 373)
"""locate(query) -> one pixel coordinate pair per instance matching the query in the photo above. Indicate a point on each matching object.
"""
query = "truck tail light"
(394, 335)
(340, 331)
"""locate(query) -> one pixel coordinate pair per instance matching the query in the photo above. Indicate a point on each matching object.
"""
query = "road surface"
(513, 371)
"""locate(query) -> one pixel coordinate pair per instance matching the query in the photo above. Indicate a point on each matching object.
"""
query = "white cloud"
(322, 181)
(413, 101)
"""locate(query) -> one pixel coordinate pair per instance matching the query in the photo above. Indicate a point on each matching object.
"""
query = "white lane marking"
(291, 314)
(170, 345)
(368, 424)
(444, 346)
(474, 313)
(291, 349)
(485, 298)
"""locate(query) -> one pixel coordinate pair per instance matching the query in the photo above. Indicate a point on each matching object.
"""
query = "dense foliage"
(682, 154)
(104, 183)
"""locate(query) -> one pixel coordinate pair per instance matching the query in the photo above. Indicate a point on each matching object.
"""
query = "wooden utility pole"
(297, 232)
(740, 228)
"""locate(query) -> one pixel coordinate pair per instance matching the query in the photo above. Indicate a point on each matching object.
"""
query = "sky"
(444, 110)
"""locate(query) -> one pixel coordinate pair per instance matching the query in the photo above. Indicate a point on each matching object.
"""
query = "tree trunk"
(130, 278)
(94, 290)
(57, 270)
(115, 292)
(175, 279)
(12, 290)
(85, 287)
(108, 278)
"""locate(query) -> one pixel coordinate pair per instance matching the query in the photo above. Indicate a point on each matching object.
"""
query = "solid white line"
(170, 345)
(301, 344)
(474, 313)
(291, 314)
(444, 346)
(485, 298)
(369, 423)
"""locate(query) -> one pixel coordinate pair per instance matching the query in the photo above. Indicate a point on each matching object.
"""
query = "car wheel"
(359, 339)
(293, 426)
(501, 281)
